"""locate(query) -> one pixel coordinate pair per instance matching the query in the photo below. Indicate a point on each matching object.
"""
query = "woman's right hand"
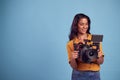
(75, 54)
(73, 62)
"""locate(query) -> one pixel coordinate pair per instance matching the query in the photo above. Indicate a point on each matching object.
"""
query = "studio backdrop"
(34, 34)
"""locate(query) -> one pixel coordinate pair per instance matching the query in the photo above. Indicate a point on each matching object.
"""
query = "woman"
(80, 30)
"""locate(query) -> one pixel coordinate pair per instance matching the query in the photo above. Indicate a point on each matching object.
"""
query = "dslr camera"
(88, 52)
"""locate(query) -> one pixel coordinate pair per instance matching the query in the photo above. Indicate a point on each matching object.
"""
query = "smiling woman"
(83, 25)
(80, 31)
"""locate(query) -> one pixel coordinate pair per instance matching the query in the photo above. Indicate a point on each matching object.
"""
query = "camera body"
(88, 52)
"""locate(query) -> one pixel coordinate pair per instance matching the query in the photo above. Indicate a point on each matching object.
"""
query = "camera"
(88, 51)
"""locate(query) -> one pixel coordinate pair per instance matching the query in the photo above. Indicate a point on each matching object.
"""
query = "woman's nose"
(84, 26)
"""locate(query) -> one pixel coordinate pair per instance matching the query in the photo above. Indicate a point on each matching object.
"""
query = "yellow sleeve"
(69, 49)
(101, 50)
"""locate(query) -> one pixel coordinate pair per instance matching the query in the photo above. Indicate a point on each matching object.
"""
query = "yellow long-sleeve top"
(81, 65)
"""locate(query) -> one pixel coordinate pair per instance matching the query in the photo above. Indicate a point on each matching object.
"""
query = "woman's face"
(83, 26)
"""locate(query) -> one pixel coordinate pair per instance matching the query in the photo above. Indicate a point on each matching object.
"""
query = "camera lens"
(91, 53)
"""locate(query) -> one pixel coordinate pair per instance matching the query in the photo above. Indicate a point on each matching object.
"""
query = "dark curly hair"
(74, 26)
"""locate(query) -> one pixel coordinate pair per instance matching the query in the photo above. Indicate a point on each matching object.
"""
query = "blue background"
(34, 33)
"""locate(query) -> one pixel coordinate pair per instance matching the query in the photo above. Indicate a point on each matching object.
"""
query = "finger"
(76, 51)
(75, 56)
(98, 50)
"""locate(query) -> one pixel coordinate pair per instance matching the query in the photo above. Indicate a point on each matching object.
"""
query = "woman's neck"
(82, 36)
